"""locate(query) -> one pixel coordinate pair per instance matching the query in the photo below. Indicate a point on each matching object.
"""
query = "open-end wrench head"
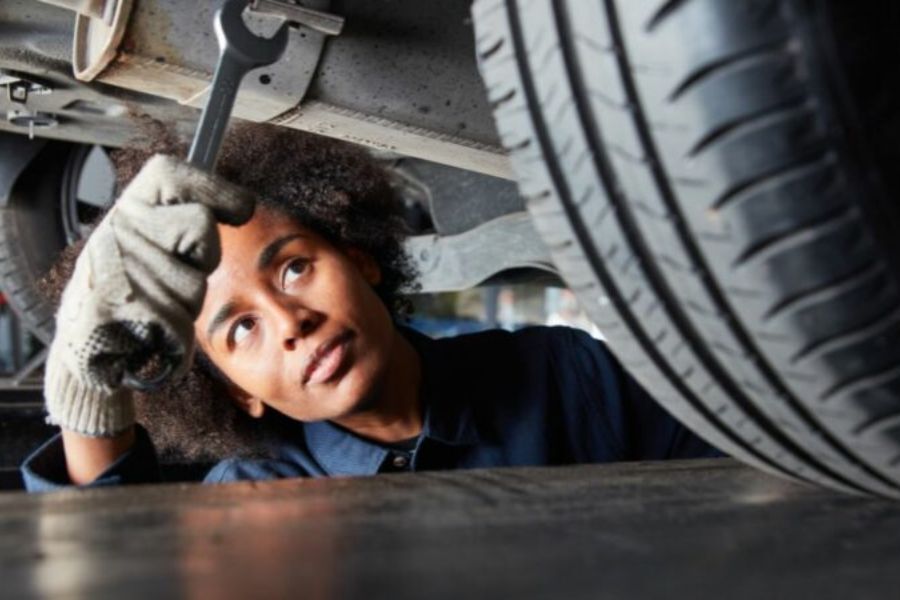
(235, 38)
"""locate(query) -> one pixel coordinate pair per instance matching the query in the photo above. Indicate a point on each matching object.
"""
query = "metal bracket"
(295, 14)
(465, 260)
(17, 92)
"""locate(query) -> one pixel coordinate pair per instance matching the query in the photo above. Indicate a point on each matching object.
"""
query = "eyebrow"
(222, 315)
(271, 251)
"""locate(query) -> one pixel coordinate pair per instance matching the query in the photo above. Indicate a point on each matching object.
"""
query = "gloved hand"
(137, 287)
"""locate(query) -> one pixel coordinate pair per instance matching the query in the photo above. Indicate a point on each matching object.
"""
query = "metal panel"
(170, 50)
(408, 61)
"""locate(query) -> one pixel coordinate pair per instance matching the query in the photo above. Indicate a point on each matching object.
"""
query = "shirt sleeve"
(642, 428)
(45, 469)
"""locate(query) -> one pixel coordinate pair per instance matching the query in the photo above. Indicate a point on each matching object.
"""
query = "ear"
(367, 266)
(247, 403)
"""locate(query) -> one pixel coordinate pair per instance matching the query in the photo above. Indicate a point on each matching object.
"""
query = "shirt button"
(399, 461)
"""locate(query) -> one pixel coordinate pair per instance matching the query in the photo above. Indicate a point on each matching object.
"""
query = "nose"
(295, 322)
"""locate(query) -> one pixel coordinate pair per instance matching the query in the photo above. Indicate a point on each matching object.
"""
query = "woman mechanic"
(281, 275)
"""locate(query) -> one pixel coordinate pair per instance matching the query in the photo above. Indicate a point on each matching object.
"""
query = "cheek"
(267, 370)
(255, 374)
(364, 299)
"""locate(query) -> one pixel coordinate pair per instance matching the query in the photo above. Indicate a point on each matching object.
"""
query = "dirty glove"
(137, 287)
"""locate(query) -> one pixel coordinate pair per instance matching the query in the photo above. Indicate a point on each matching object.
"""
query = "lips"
(327, 359)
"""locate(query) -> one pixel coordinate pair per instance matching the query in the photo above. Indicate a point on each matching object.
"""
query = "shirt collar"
(448, 417)
(341, 452)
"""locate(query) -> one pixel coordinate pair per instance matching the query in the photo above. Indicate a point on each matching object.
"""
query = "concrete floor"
(654, 530)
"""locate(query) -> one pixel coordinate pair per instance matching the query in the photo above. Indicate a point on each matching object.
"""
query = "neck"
(396, 414)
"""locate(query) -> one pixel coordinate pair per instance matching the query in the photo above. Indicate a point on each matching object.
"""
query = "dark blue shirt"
(538, 396)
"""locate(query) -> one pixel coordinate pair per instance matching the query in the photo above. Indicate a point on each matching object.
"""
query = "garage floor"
(654, 530)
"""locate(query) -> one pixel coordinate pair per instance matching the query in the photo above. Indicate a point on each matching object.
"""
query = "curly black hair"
(329, 186)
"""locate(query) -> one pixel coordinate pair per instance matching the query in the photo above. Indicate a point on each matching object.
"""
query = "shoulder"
(533, 340)
(580, 366)
(551, 347)
(287, 457)
(533, 357)
(254, 469)
(528, 351)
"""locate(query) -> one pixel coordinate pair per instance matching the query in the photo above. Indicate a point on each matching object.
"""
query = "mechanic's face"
(294, 322)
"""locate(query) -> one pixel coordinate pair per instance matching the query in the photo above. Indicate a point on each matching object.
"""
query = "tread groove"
(800, 235)
(781, 110)
(773, 178)
(879, 422)
(668, 8)
(825, 291)
(778, 49)
(847, 338)
(496, 103)
(859, 383)
(606, 100)
(493, 49)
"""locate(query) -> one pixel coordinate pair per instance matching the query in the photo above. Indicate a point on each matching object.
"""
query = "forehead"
(266, 224)
(243, 245)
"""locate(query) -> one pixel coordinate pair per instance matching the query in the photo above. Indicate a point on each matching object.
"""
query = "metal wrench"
(240, 50)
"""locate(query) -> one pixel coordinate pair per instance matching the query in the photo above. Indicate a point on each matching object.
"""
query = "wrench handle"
(214, 120)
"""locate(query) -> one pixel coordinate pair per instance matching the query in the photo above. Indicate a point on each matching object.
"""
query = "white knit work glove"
(137, 287)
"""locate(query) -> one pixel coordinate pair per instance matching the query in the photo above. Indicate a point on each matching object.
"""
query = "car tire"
(723, 173)
(32, 235)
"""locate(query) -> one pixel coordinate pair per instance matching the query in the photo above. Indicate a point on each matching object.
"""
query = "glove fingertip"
(230, 203)
(236, 213)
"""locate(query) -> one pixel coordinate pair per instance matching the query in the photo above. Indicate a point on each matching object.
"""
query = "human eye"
(294, 270)
(240, 330)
